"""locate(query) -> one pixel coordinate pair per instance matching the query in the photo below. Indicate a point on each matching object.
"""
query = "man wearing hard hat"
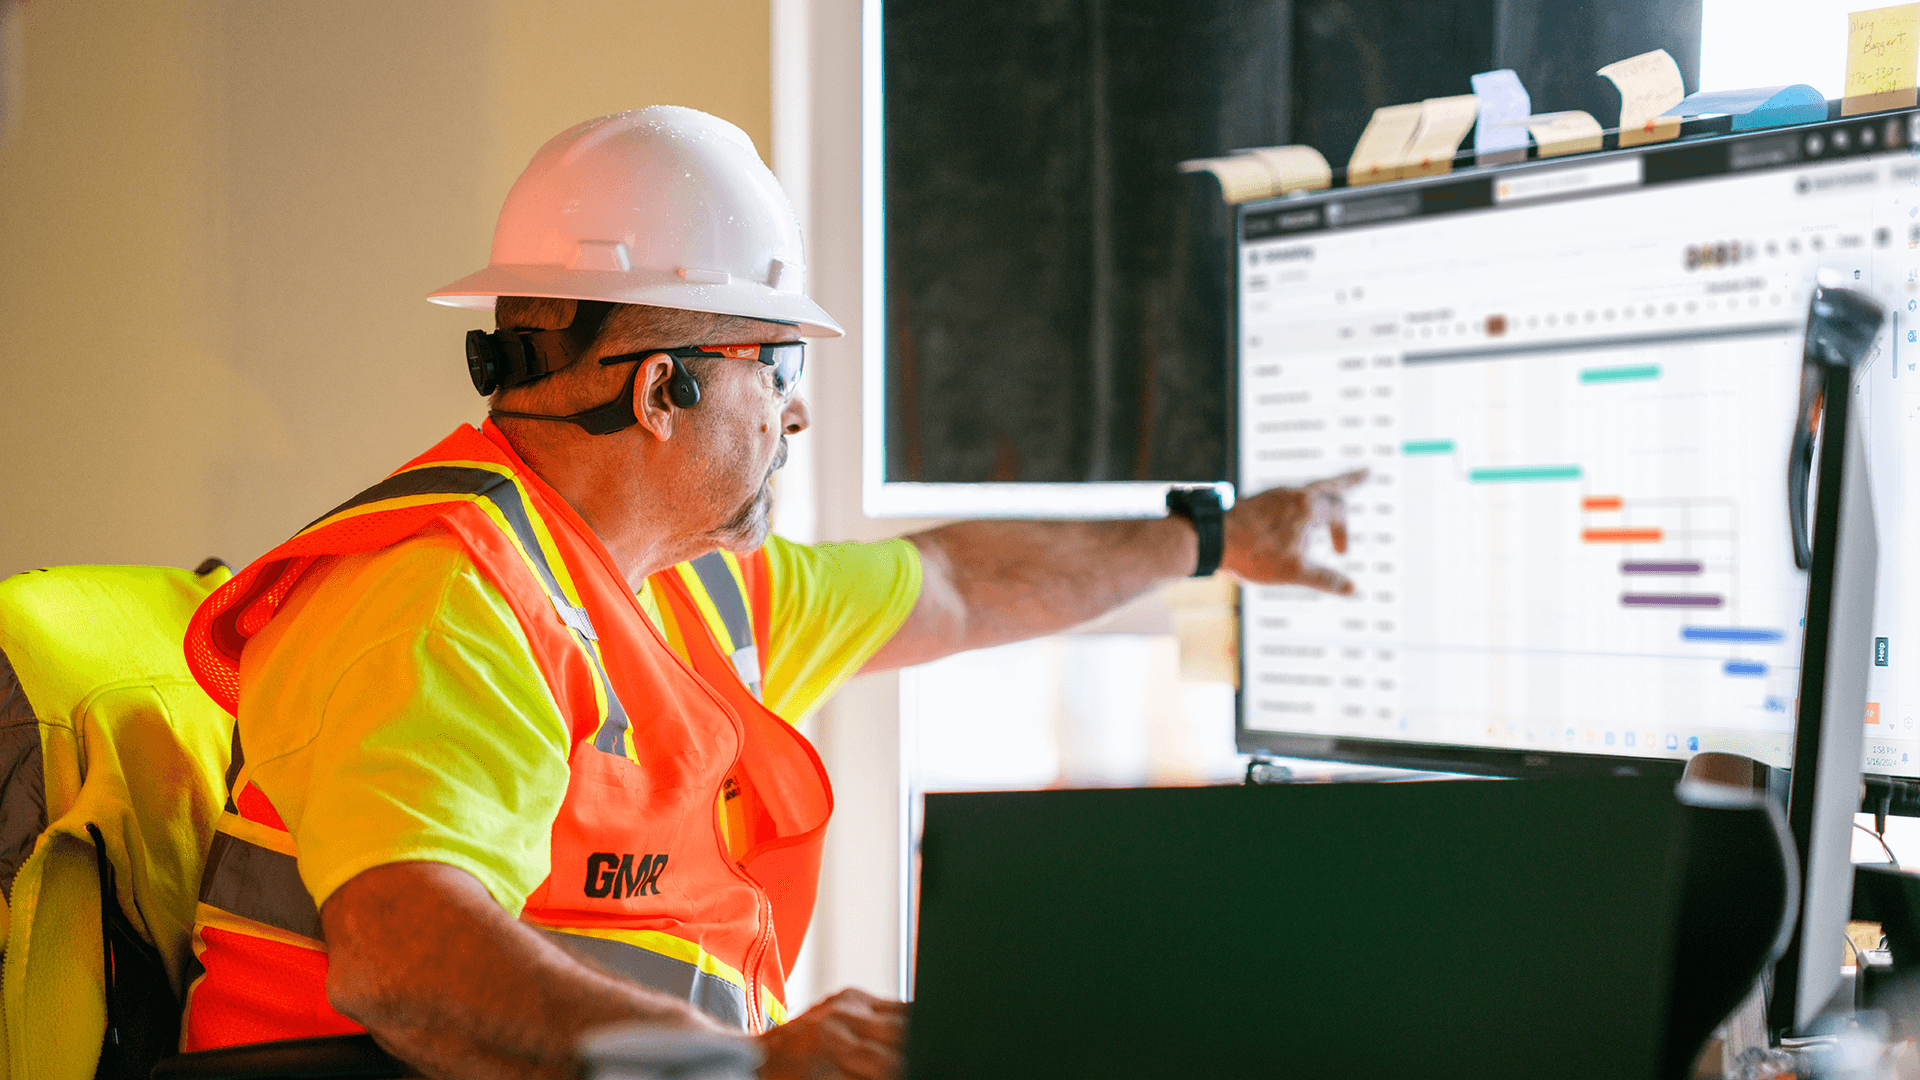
(512, 756)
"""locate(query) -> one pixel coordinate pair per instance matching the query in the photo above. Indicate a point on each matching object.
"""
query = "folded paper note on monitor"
(1294, 168)
(1649, 84)
(1266, 171)
(1242, 178)
(1759, 107)
(1882, 45)
(1381, 153)
(1572, 132)
(1444, 122)
(1502, 100)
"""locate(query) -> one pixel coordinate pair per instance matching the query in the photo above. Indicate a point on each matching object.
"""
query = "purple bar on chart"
(1674, 600)
(1651, 566)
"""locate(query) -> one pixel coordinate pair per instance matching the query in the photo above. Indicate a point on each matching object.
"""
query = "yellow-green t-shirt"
(393, 711)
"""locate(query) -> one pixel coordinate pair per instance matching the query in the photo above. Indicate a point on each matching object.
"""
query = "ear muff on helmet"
(487, 363)
(503, 359)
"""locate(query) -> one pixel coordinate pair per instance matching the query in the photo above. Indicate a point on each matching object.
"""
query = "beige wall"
(218, 219)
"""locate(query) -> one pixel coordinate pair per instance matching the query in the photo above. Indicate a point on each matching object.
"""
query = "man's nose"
(796, 417)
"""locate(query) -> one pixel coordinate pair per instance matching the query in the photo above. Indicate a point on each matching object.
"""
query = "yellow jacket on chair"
(101, 723)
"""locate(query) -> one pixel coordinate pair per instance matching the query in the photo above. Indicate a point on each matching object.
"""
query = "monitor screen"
(1574, 383)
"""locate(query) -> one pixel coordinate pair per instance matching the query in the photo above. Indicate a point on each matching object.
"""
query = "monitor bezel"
(1446, 757)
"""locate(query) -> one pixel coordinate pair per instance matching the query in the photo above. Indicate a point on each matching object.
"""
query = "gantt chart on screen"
(1575, 407)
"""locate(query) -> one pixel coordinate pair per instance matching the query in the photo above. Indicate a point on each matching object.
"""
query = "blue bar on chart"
(1426, 447)
(1739, 635)
(1746, 669)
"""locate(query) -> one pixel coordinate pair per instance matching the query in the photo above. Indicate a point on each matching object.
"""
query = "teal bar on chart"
(1524, 474)
(1424, 447)
(1636, 373)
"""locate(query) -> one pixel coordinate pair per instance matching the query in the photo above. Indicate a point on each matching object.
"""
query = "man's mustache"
(779, 459)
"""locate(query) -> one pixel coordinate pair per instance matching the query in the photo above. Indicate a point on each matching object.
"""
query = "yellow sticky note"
(1295, 168)
(1381, 153)
(1443, 123)
(1564, 133)
(1649, 85)
(1882, 47)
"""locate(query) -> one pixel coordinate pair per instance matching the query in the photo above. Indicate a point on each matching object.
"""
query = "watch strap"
(1201, 507)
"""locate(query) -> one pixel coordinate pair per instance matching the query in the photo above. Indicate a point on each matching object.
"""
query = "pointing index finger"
(1334, 485)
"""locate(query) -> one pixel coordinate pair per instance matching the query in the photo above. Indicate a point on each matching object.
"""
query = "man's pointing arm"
(991, 582)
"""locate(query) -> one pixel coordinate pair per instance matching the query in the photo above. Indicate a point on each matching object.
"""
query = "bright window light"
(1749, 43)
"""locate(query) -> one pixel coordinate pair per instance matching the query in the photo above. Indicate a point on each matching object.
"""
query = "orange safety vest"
(642, 882)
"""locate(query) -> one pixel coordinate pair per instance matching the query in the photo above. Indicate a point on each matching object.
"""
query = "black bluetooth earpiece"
(682, 389)
(604, 419)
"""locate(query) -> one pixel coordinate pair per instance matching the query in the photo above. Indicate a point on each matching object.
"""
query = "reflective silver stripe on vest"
(724, 590)
(710, 994)
(504, 493)
(264, 885)
(258, 883)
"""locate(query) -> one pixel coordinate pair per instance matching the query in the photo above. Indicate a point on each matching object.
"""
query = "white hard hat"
(663, 206)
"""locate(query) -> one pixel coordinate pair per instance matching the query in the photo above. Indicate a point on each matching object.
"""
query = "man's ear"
(652, 403)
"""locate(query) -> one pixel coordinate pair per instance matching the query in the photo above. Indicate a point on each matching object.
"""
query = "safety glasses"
(787, 359)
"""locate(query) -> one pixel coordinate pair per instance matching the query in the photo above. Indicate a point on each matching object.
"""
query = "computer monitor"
(1597, 534)
(1575, 382)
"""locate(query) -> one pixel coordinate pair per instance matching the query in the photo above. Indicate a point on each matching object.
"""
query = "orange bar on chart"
(1600, 502)
(1620, 536)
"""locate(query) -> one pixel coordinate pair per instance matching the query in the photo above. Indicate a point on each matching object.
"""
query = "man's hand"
(851, 1034)
(1267, 534)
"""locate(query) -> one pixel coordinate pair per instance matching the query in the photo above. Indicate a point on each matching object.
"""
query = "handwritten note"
(1443, 123)
(1564, 133)
(1381, 153)
(1649, 84)
(1882, 47)
(1294, 168)
(1496, 139)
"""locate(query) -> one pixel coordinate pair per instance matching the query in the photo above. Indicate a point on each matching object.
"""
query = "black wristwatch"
(1201, 506)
